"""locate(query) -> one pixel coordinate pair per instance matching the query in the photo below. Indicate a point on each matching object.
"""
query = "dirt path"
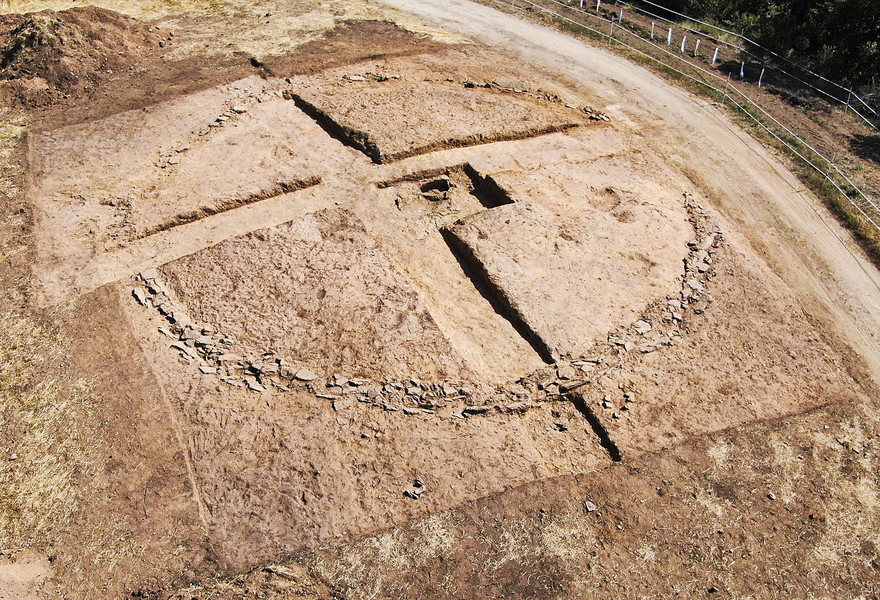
(764, 202)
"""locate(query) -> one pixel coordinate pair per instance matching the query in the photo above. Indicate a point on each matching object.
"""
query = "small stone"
(476, 410)
(590, 506)
(412, 411)
(229, 358)
(356, 78)
(642, 327)
(629, 397)
(572, 385)
(566, 372)
(700, 307)
(253, 385)
(139, 295)
(207, 370)
(694, 284)
(771, 496)
(413, 391)
(174, 160)
(627, 346)
(238, 109)
(518, 408)
(182, 148)
(149, 275)
(204, 131)
(305, 375)
(184, 349)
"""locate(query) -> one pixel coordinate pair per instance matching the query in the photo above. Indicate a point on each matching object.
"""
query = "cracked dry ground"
(427, 326)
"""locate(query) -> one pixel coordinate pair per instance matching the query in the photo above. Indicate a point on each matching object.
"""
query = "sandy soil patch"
(403, 107)
(583, 247)
(320, 292)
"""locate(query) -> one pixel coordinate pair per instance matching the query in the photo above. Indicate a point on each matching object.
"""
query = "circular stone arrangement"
(214, 352)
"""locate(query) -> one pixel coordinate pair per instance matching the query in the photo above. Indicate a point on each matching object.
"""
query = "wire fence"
(755, 63)
(673, 55)
(821, 85)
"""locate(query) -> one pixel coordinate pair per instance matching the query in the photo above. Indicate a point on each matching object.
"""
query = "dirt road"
(763, 202)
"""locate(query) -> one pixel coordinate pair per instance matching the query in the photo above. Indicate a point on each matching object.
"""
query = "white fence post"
(652, 29)
(742, 70)
(684, 40)
(669, 37)
(620, 18)
(697, 47)
(582, 4)
(715, 57)
(727, 83)
(761, 77)
(598, 4)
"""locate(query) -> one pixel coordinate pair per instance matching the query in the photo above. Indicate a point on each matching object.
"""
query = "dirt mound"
(46, 55)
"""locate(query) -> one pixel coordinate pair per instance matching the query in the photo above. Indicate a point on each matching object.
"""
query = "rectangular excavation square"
(574, 257)
(100, 185)
(391, 116)
(319, 292)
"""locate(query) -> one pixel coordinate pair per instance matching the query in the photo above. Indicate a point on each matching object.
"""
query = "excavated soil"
(49, 55)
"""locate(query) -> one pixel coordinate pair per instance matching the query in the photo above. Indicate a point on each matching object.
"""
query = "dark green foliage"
(839, 39)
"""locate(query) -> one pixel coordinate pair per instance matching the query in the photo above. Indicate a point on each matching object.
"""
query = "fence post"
(582, 4)
(727, 83)
(620, 18)
(684, 40)
(761, 77)
(848, 98)
(669, 37)
(697, 47)
(742, 70)
(611, 35)
(598, 4)
(715, 57)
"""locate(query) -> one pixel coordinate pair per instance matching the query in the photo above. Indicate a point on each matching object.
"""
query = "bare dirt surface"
(420, 319)
(626, 243)
(318, 289)
(390, 116)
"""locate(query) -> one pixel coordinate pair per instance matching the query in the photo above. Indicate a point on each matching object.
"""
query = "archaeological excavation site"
(364, 301)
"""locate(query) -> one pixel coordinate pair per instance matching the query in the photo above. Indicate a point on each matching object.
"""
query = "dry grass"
(47, 422)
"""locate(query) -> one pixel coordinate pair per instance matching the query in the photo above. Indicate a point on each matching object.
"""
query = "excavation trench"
(279, 189)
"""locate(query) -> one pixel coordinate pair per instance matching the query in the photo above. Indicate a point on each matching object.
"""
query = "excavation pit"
(391, 117)
(573, 257)
(319, 292)
(171, 164)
